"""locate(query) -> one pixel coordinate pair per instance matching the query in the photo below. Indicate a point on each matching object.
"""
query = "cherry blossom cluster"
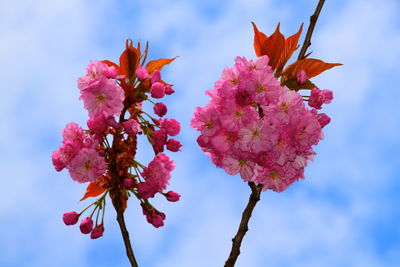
(104, 154)
(256, 127)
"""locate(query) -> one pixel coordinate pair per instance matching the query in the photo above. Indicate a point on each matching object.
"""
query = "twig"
(313, 21)
(243, 227)
(125, 235)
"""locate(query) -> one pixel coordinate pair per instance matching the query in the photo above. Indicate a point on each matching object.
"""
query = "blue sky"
(345, 213)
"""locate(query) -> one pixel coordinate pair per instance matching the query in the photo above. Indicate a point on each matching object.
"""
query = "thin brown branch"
(125, 235)
(243, 227)
(313, 21)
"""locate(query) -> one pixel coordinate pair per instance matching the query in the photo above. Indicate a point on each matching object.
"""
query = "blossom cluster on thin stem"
(105, 154)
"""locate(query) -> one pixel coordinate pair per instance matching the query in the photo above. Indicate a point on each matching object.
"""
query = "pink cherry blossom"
(174, 145)
(301, 77)
(97, 231)
(155, 76)
(256, 127)
(172, 196)
(87, 166)
(95, 72)
(319, 97)
(106, 96)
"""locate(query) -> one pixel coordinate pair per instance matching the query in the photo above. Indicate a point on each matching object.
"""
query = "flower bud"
(172, 196)
(97, 231)
(172, 127)
(57, 162)
(157, 90)
(160, 109)
(301, 77)
(156, 76)
(169, 90)
(70, 218)
(173, 145)
(142, 73)
(86, 225)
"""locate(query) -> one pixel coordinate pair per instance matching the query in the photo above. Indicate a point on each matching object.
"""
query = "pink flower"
(159, 140)
(258, 128)
(142, 73)
(173, 145)
(106, 96)
(155, 76)
(172, 196)
(319, 97)
(173, 127)
(157, 90)
(132, 127)
(160, 109)
(96, 70)
(97, 231)
(73, 132)
(301, 77)
(323, 119)
(87, 166)
(98, 124)
(157, 176)
(57, 162)
(71, 218)
(86, 225)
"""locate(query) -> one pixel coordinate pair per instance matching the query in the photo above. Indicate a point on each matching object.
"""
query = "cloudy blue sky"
(345, 213)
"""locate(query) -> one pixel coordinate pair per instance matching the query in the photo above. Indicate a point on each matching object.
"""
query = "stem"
(125, 235)
(243, 227)
(313, 21)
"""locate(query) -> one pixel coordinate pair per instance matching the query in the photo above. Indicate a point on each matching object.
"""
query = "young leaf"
(129, 60)
(93, 190)
(158, 64)
(291, 44)
(274, 46)
(259, 39)
(311, 66)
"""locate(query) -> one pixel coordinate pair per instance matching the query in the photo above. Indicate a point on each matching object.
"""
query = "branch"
(313, 21)
(125, 235)
(243, 227)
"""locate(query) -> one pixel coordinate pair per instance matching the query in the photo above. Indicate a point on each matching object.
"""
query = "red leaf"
(129, 60)
(311, 66)
(93, 190)
(274, 46)
(291, 44)
(158, 64)
(259, 39)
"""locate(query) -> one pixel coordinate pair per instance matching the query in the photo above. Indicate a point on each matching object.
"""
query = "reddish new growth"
(257, 125)
(104, 154)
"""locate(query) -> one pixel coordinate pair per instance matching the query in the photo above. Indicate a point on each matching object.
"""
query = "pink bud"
(157, 90)
(129, 183)
(132, 127)
(301, 77)
(160, 109)
(159, 140)
(97, 231)
(142, 73)
(146, 190)
(86, 225)
(172, 127)
(172, 196)
(156, 76)
(323, 119)
(70, 218)
(57, 162)
(319, 97)
(169, 90)
(173, 145)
